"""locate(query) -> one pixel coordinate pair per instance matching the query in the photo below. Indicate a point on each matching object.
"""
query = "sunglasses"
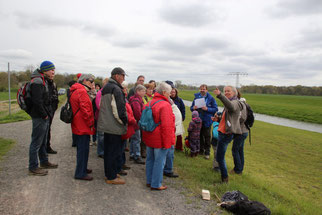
(91, 80)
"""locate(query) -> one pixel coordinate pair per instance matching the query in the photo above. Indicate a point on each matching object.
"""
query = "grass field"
(302, 108)
(5, 146)
(282, 169)
(5, 95)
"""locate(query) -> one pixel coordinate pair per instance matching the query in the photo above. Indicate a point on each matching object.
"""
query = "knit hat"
(46, 66)
(195, 114)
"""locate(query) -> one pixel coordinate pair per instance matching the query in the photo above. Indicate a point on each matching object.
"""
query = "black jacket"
(53, 96)
(39, 96)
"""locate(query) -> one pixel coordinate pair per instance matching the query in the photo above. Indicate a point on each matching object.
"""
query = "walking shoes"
(48, 165)
(38, 171)
(115, 181)
(159, 188)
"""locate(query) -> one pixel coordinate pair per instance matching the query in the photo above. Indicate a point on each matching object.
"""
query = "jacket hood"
(36, 73)
(197, 120)
(76, 87)
(158, 96)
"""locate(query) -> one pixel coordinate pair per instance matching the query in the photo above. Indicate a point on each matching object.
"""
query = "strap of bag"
(71, 104)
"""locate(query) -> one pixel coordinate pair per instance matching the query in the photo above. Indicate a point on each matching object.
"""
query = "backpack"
(146, 122)
(248, 119)
(24, 95)
(66, 112)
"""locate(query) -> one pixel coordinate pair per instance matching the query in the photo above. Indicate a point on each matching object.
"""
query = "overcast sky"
(276, 42)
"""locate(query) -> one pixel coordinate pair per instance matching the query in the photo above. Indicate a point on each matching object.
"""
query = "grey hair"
(124, 84)
(139, 87)
(86, 77)
(163, 87)
(232, 88)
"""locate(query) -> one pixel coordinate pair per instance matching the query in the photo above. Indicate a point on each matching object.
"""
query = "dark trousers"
(179, 143)
(112, 154)
(49, 131)
(205, 140)
(122, 158)
(82, 144)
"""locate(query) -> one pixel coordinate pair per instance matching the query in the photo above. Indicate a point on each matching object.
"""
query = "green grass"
(5, 95)
(22, 115)
(5, 146)
(282, 169)
(302, 108)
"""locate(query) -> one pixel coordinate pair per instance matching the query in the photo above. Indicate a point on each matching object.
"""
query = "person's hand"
(217, 91)
(204, 108)
(195, 107)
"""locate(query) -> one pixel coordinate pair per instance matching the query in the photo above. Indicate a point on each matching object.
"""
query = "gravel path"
(59, 193)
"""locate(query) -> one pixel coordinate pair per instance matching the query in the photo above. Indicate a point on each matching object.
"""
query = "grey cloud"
(309, 39)
(285, 8)
(193, 15)
(15, 54)
(32, 21)
(129, 42)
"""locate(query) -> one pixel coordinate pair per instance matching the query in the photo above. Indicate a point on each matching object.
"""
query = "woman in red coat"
(161, 139)
(83, 123)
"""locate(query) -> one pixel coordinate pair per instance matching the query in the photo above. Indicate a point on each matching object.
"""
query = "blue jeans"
(135, 149)
(82, 144)
(223, 141)
(169, 161)
(155, 161)
(238, 152)
(100, 143)
(38, 142)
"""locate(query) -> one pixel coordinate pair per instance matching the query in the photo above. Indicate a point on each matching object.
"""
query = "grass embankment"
(5, 95)
(282, 169)
(302, 108)
(21, 115)
(5, 146)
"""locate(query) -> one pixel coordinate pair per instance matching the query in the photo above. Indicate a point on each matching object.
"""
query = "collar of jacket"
(111, 80)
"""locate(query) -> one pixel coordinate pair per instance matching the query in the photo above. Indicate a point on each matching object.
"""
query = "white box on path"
(205, 194)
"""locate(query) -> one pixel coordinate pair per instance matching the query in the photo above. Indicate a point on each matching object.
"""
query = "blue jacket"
(206, 115)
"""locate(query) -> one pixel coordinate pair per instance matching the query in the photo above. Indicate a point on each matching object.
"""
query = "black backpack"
(250, 117)
(66, 112)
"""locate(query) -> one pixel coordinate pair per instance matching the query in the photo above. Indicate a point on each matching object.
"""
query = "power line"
(237, 74)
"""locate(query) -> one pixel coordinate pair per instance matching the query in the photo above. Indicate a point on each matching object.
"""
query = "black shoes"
(51, 151)
(171, 175)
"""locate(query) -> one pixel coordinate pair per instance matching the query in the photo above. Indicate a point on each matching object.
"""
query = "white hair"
(232, 88)
(86, 77)
(139, 87)
(124, 84)
(163, 87)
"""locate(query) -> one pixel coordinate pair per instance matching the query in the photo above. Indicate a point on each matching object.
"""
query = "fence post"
(9, 88)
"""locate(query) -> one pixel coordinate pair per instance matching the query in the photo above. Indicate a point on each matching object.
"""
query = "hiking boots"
(159, 188)
(48, 165)
(122, 172)
(224, 180)
(86, 178)
(38, 171)
(116, 181)
(171, 175)
(139, 161)
(51, 151)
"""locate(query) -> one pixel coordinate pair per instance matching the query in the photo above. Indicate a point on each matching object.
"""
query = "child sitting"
(214, 140)
(194, 134)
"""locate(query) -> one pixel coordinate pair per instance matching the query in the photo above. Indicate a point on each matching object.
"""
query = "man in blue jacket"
(205, 113)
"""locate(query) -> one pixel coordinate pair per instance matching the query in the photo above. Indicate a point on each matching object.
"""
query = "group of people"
(111, 115)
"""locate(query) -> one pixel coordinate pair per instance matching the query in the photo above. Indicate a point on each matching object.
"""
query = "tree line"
(17, 78)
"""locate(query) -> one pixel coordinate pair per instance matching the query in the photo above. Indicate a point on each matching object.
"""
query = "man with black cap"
(40, 112)
(112, 121)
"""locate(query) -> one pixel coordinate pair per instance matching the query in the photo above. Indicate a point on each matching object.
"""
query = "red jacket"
(83, 116)
(131, 122)
(137, 105)
(163, 135)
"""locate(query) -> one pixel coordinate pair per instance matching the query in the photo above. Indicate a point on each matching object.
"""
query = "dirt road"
(59, 193)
